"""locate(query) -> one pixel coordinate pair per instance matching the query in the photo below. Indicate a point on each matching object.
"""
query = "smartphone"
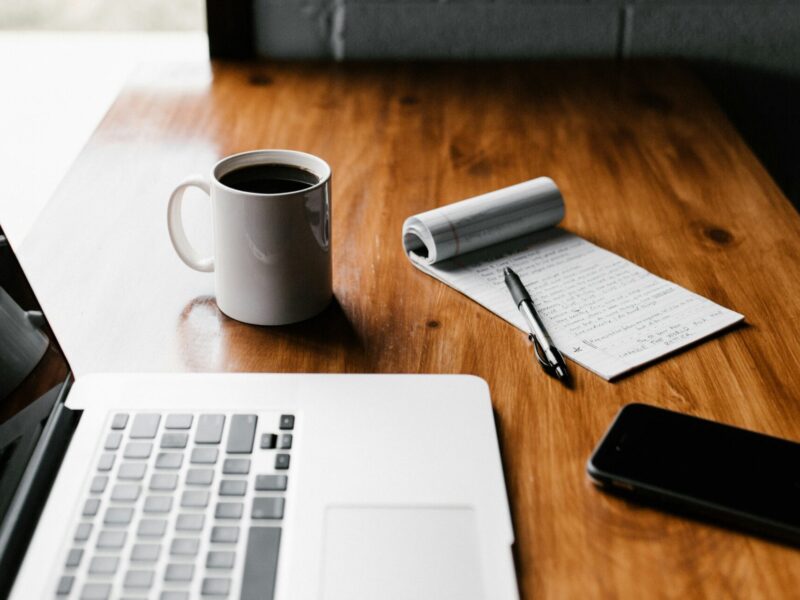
(741, 478)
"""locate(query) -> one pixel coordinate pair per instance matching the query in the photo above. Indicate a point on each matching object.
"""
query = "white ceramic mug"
(272, 261)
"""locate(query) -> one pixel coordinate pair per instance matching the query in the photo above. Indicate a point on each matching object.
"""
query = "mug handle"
(177, 234)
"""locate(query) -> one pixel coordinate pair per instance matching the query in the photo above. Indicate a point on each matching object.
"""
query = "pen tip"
(507, 271)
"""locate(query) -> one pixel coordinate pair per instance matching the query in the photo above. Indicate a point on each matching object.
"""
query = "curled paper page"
(483, 221)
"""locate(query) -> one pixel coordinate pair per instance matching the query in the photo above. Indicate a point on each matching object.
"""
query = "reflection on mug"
(318, 216)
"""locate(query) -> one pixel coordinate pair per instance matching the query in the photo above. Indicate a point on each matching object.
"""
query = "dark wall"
(755, 33)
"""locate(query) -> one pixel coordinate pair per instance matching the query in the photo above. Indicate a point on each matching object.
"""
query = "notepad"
(602, 311)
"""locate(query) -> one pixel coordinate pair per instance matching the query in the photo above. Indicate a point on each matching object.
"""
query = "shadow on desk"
(211, 341)
(763, 106)
(635, 505)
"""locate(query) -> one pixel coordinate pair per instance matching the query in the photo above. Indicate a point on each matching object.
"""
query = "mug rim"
(324, 177)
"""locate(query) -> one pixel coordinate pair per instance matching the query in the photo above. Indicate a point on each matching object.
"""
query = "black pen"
(548, 355)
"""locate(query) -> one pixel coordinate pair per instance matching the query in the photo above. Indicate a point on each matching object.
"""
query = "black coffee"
(269, 179)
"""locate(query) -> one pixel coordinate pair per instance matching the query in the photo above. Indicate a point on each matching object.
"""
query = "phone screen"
(705, 463)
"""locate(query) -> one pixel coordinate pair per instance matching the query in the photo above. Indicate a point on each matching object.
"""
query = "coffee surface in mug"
(269, 179)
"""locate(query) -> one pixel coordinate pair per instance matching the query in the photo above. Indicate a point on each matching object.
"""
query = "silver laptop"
(333, 487)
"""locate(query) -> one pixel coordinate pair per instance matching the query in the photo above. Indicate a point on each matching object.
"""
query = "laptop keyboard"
(182, 506)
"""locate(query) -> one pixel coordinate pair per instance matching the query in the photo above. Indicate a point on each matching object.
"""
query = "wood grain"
(650, 169)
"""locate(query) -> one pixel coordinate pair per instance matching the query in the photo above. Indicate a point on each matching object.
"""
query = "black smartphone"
(744, 479)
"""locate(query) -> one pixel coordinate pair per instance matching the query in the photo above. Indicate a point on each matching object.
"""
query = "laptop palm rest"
(401, 552)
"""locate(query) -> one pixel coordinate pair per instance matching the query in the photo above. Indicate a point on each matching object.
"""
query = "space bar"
(261, 563)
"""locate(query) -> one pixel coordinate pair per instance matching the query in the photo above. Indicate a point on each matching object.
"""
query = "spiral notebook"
(602, 311)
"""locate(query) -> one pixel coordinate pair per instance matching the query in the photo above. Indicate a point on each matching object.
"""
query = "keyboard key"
(179, 572)
(194, 499)
(241, 434)
(220, 560)
(96, 591)
(83, 532)
(98, 485)
(157, 504)
(106, 462)
(118, 516)
(152, 527)
(229, 510)
(132, 471)
(261, 563)
(268, 441)
(111, 540)
(174, 439)
(179, 421)
(199, 476)
(209, 429)
(190, 522)
(184, 547)
(74, 557)
(236, 466)
(232, 487)
(145, 426)
(126, 492)
(113, 440)
(145, 552)
(287, 422)
(286, 441)
(163, 481)
(138, 579)
(204, 456)
(282, 461)
(119, 421)
(224, 535)
(267, 508)
(138, 450)
(174, 595)
(65, 585)
(216, 586)
(271, 483)
(103, 565)
(169, 460)
(90, 507)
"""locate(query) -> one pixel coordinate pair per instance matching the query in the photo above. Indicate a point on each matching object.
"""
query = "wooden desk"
(650, 169)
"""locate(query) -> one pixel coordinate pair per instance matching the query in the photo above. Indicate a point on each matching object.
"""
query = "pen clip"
(537, 350)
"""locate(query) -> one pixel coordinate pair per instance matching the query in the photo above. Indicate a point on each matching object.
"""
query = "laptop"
(269, 486)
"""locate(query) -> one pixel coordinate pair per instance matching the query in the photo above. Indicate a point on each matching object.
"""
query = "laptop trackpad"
(397, 552)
